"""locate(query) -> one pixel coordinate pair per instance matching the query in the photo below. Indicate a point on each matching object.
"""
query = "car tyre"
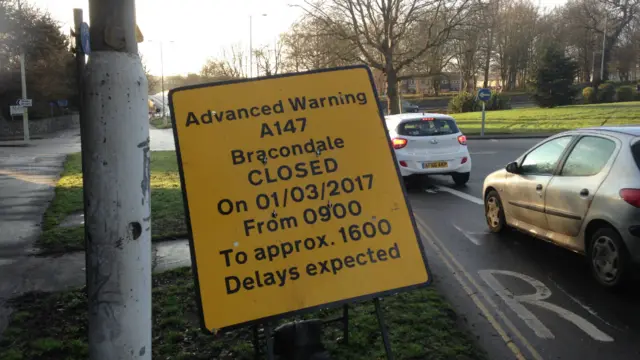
(609, 259)
(460, 179)
(494, 212)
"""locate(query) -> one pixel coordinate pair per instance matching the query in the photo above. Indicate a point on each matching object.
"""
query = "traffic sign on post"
(16, 110)
(24, 102)
(292, 195)
(484, 94)
(85, 38)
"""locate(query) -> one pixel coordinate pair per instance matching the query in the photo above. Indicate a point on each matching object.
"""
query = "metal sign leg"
(269, 341)
(383, 330)
(345, 323)
(256, 342)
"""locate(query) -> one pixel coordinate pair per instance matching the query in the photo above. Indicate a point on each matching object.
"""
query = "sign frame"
(310, 309)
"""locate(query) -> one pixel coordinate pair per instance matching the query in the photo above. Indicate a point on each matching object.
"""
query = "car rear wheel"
(608, 258)
(460, 179)
(494, 213)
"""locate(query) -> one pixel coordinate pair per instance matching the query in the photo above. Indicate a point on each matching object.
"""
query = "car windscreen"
(635, 150)
(427, 127)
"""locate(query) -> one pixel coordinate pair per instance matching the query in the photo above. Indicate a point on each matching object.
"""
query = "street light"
(251, 44)
(164, 118)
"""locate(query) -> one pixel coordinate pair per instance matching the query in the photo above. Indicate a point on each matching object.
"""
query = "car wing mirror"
(513, 167)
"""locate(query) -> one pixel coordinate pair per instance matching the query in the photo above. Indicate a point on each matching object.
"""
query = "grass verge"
(538, 120)
(167, 220)
(54, 326)
(158, 123)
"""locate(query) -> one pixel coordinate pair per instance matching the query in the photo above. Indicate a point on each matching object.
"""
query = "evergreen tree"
(554, 77)
(50, 70)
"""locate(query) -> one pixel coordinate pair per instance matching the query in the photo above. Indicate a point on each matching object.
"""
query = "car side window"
(588, 157)
(544, 159)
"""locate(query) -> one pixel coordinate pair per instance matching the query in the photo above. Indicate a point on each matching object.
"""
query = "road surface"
(522, 297)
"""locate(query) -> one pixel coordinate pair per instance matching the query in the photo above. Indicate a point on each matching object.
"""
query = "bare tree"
(625, 56)
(433, 64)
(609, 18)
(232, 65)
(467, 44)
(490, 14)
(381, 30)
(269, 59)
(581, 42)
(515, 34)
(310, 44)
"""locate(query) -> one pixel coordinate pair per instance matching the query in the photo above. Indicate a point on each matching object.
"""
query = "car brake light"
(403, 163)
(462, 140)
(632, 196)
(464, 160)
(399, 143)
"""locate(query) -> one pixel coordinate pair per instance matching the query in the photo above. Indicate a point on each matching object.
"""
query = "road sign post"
(116, 158)
(484, 95)
(302, 205)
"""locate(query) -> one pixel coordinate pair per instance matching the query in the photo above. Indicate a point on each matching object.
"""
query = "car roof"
(633, 130)
(406, 116)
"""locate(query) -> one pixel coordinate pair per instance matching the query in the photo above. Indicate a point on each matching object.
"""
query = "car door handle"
(584, 192)
(539, 187)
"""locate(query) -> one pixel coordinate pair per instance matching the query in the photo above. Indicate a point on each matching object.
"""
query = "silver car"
(580, 190)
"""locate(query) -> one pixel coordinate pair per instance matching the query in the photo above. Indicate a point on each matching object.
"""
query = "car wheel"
(608, 258)
(460, 179)
(494, 212)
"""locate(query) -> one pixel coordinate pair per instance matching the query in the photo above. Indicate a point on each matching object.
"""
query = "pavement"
(28, 175)
(522, 298)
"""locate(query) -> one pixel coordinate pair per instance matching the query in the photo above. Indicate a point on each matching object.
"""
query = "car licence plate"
(435, 165)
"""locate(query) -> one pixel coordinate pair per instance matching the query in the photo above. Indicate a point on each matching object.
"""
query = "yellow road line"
(448, 258)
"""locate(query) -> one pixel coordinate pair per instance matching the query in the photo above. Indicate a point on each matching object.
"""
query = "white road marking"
(467, 235)
(473, 289)
(494, 140)
(462, 195)
(585, 307)
(542, 293)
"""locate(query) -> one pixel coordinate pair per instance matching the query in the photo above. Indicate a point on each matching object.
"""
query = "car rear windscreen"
(427, 127)
(635, 150)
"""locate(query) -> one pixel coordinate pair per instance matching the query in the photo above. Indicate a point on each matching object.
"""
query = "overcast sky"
(193, 30)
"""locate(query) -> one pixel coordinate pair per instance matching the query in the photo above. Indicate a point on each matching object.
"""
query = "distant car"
(429, 144)
(405, 106)
(580, 190)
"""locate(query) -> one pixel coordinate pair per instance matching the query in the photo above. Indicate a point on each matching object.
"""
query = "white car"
(429, 144)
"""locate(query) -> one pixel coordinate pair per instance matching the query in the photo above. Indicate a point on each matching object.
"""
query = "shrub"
(463, 102)
(636, 96)
(589, 95)
(624, 93)
(467, 102)
(498, 101)
(606, 93)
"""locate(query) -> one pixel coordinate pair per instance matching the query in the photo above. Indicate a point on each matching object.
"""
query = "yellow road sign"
(292, 194)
